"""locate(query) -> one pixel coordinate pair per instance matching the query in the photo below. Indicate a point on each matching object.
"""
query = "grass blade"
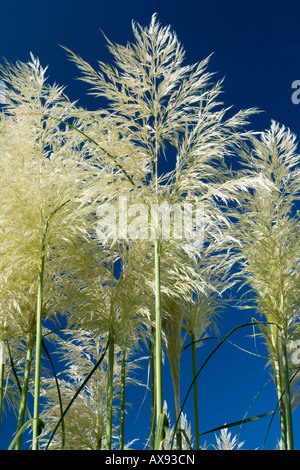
(238, 423)
(77, 393)
(58, 391)
(162, 430)
(206, 361)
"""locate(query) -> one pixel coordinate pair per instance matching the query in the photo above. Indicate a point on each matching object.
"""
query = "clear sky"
(255, 46)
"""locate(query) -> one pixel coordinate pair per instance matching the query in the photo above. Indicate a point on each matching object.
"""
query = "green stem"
(196, 412)
(177, 411)
(122, 417)
(158, 345)
(2, 369)
(280, 394)
(23, 399)
(99, 444)
(152, 435)
(110, 376)
(38, 353)
(287, 394)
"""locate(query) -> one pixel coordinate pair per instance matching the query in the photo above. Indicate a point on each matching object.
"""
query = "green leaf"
(22, 429)
(76, 394)
(277, 407)
(163, 427)
(206, 361)
(58, 391)
(186, 438)
(237, 423)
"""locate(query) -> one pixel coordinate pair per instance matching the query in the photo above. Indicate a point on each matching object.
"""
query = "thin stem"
(24, 392)
(174, 358)
(2, 370)
(158, 346)
(38, 353)
(287, 394)
(99, 444)
(110, 376)
(204, 364)
(280, 393)
(152, 435)
(196, 412)
(177, 411)
(122, 417)
(110, 373)
(98, 430)
(278, 382)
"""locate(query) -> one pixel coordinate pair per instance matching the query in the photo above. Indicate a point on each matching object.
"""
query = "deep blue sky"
(255, 43)
(256, 48)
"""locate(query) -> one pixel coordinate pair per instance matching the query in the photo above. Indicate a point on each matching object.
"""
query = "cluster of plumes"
(84, 423)
(268, 228)
(54, 177)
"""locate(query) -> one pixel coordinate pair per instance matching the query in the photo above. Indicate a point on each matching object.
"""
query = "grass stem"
(122, 414)
(158, 343)
(2, 370)
(196, 412)
(109, 404)
(38, 353)
(177, 411)
(24, 392)
(287, 395)
(280, 394)
(153, 399)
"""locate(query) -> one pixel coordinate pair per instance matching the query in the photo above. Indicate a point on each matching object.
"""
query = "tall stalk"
(282, 414)
(177, 412)
(153, 395)
(23, 399)
(110, 365)
(109, 396)
(287, 395)
(158, 346)
(122, 407)
(196, 412)
(2, 370)
(38, 353)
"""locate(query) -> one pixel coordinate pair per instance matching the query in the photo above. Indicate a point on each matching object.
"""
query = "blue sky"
(255, 47)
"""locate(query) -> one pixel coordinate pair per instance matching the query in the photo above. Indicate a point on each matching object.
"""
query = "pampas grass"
(268, 231)
(112, 295)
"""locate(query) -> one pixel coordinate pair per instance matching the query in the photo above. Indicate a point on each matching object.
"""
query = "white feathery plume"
(267, 231)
